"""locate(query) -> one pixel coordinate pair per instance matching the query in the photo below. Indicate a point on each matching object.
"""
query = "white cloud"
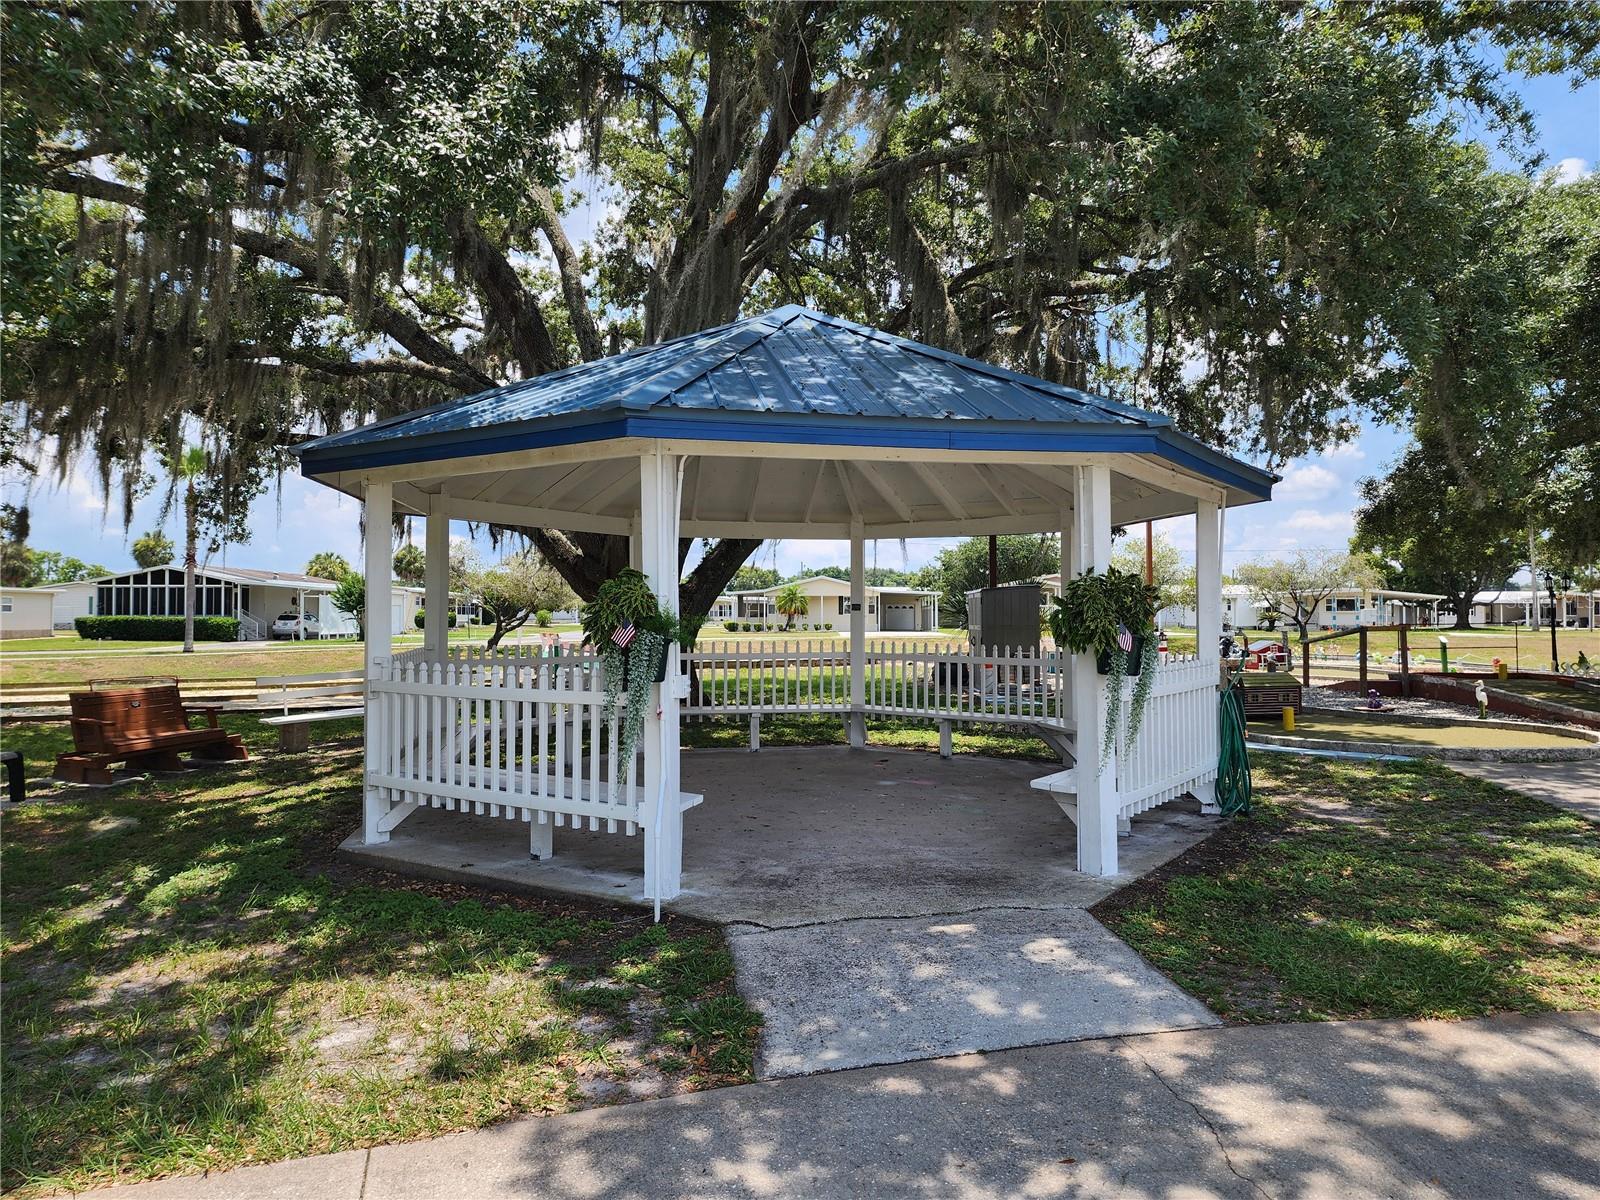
(1308, 520)
(1306, 482)
(1570, 170)
(1351, 451)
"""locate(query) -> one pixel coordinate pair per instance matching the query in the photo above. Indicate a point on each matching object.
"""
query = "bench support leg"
(294, 738)
(856, 727)
(946, 747)
(16, 790)
(1206, 793)
(1124, 826)
(755, 732)
(541, 838)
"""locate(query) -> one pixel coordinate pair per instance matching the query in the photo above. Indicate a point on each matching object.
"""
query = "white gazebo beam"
(946, 497)
(378, 505)
(997, 490)
(847, 487)
(501, 513)
(879, 484)
(815, 489)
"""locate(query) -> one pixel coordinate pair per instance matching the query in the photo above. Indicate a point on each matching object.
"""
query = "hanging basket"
(1135, 656)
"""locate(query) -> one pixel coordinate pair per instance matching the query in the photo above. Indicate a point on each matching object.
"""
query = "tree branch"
(328, 277)
(572, 288)
(513, 308)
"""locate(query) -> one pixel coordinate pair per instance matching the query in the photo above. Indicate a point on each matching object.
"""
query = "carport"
(792, 424)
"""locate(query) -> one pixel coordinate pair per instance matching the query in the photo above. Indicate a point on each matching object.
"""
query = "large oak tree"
(277, 219)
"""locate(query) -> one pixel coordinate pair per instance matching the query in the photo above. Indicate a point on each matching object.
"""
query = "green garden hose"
(1233, 761)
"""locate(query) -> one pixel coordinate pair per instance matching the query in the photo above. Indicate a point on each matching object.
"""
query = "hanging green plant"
(631, 632)
(1111, 615)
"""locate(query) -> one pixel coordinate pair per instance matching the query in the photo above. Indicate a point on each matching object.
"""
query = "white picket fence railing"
(517, 736)
(1005, 685)
(738, 678)
(1177, 745)
(524, 733)
(917, 679)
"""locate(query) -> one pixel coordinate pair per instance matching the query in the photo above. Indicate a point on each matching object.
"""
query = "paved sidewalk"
(1570, 785)
(864, 993)
(1503, 1107)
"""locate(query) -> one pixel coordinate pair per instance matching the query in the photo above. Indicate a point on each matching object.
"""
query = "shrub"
(731, 626)
(422, 612)
(156, 629)
(828, 625)
(543, 616)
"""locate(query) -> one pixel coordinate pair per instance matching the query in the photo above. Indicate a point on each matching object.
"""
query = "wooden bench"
(294, 733)
(144, 727)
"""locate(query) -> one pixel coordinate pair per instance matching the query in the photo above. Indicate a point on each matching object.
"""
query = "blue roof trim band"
(1161, 441)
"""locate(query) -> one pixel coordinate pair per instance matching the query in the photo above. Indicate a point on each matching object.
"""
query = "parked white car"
(292, 624)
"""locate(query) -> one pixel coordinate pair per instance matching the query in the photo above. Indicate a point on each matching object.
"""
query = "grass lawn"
(1376, 890)
(285, 659)
(1361, 727)
(1587, 699)
(192, 982)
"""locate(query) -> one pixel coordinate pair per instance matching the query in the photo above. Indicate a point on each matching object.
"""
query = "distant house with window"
(889, 609)
(24, 612)
(1345, 608)
(1572, 609)
(255, 597)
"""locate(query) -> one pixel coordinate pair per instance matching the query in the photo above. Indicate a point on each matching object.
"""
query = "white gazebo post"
(1068, 566)
(1096, 788)
(1208, 609)
(436, 606)
(658, 552)
(379, 517)
(858, 633)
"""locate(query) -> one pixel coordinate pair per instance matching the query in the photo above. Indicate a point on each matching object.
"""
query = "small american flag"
(623, 634)
(1125, 639)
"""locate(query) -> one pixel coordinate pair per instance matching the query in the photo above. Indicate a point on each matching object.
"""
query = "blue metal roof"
(790, 375)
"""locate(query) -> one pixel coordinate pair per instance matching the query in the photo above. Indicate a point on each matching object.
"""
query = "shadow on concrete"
(1497, 1108)
(803, 835)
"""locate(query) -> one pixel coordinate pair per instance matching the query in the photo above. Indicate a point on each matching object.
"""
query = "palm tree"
(790, 603)
(188, 467)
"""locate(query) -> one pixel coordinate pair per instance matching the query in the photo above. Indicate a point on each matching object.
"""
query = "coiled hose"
(1233, 762)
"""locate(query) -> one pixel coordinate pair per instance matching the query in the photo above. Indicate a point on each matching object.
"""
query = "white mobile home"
(255, 597)
(1572, 610)
(888, 609)
(24, 613)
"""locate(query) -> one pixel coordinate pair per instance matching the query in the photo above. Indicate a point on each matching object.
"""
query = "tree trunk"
(191, 522)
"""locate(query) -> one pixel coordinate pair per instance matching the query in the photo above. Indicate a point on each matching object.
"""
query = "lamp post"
(1551, 580)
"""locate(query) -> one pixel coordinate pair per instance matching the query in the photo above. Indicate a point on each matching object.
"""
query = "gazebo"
(791, 424)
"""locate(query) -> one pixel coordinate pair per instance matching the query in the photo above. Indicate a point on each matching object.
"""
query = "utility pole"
(994, 561)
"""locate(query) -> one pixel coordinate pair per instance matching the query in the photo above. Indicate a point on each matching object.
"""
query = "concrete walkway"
(881, 905)
(1570, 785)
(1503, 1107)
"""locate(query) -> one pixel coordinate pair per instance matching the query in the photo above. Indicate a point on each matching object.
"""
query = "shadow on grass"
(192, 981)
(1373, 890)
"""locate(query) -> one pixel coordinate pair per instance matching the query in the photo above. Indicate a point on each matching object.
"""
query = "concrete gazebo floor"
(882, 905)
(797, 836)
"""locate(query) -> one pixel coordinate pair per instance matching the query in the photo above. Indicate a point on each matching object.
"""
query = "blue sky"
(1311, 507)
